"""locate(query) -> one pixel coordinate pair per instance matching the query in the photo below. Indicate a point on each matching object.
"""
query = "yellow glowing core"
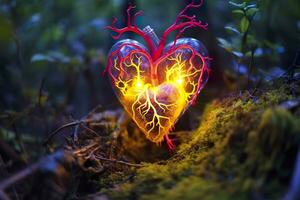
(155, 107)
(179, 81)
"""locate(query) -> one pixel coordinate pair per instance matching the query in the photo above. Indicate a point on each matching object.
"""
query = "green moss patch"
(244, 148)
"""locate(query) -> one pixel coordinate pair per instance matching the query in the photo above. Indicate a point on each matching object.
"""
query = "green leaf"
(239, 5)
(53, 56)
(232, 29)
(240, 12)
(248, 54)
(238, 54)
(252, 11)
(224, 44)
(41, 57)
(250, 6)
(244, 24)
(59, 57)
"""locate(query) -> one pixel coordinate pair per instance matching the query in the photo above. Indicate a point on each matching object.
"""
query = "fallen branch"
(48, 164)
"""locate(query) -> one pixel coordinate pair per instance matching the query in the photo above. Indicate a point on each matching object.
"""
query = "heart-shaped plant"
(156, 85)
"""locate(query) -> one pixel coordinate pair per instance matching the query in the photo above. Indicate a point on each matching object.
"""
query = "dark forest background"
(53, 53)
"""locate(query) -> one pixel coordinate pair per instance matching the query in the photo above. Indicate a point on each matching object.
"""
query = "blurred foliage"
(262, 44)
(64, 43)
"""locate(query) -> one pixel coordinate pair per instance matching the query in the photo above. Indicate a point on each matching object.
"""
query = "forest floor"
(245, 147)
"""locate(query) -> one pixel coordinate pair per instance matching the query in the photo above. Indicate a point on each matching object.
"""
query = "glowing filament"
(155, 107)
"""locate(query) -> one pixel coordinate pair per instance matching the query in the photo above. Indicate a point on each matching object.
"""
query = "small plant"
(242, 42)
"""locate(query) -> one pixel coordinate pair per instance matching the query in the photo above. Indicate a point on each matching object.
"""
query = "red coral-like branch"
(131, 28)
(180, 26)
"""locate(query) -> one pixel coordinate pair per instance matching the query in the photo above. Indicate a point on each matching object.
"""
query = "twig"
(19, 49)
(52, 134)
(89, 129)
(256, 87)
(95, 118)
(92, 152)
(291, 69)
(119, 161)
(75, 133)
(82, 151)
(41, 92)
(103, 124)
(250, 66)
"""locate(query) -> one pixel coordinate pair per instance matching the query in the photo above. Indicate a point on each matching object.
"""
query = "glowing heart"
(157, 85)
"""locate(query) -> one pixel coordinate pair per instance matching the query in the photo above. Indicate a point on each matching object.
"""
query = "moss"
(272, 147)
(244, 148)
(192, 188)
